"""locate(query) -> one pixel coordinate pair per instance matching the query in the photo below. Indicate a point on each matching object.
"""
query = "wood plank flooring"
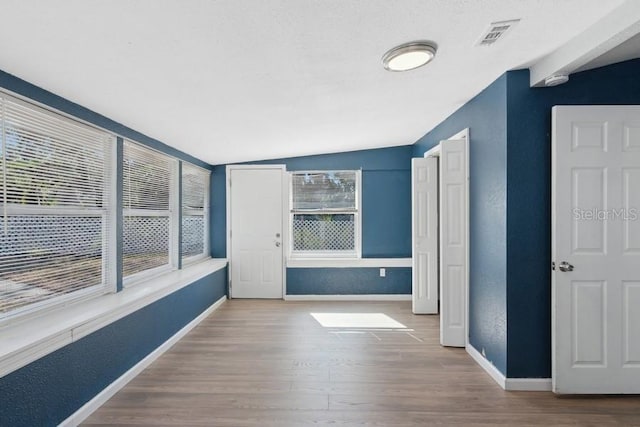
(270, 363)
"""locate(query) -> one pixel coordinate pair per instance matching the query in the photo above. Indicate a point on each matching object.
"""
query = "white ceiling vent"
(496, 31)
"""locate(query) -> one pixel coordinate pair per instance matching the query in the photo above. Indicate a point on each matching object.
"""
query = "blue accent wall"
(348, 281)
(49, 390)
(386, 197)
(386, 214)
(486, 117)
(529, 201)
(510, 207)
(52, 388)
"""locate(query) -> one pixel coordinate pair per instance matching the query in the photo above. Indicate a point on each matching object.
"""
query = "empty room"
(278, 213)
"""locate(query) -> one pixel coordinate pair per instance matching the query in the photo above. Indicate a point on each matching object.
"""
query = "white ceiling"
(241, 80)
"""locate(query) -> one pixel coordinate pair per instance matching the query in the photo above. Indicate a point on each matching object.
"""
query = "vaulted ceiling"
(241, 80)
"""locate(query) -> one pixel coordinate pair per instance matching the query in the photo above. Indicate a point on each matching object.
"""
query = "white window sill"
(348, 262)
(28, 340)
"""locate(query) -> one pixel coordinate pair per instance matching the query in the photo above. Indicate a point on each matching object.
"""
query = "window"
(148, 231)
(55, 177)
(195, 201)
(325, 217)
(58, 210)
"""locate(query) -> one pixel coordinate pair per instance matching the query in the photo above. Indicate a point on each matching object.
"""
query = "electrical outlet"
(383, 272)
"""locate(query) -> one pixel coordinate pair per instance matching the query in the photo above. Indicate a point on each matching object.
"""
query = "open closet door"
(454, 242)
(424, 200)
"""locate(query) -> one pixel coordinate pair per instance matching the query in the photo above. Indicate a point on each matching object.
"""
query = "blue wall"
(49, 390)
(386, 215)
(386, 198)
(510, 207)
(52, 388)
(348, 281)
(486, 117)
(529, 201)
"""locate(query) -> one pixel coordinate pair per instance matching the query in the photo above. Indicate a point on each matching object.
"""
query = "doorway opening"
(440, 231)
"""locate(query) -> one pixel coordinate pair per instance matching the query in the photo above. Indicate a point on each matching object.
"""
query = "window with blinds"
(325, 213)
(55, 182)
(195, 200)
(147, 212)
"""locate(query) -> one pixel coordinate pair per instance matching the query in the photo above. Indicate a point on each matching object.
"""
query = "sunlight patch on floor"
(357, 320)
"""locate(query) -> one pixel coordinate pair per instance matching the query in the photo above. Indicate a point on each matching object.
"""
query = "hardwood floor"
(271, 363)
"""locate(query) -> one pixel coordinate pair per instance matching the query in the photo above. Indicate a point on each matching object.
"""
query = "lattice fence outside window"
(323, 233)
(195, 201)
(55, 176)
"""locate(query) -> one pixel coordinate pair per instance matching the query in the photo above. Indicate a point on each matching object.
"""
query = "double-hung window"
(149, 181)
(58, 210)
(195, 207)
(325, 214)
(56, 187)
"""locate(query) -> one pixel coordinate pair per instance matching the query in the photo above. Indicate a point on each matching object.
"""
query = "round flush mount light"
(409, 56)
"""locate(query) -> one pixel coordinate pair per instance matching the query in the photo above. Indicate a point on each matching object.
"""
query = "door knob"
(565, 266)
(277, 244)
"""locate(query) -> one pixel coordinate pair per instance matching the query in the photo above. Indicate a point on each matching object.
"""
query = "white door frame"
(435, 152)
(285, 224)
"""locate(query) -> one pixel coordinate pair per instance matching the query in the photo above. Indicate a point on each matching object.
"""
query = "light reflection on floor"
(357, 320)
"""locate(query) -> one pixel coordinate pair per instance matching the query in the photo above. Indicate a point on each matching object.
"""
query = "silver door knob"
(565, 266)
(277, 244)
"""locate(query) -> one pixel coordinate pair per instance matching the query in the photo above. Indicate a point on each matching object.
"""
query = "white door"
(424, 200)
(255, 229)
(453, 242)
(596, 249)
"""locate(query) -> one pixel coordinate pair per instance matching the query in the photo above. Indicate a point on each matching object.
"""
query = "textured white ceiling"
(240, 80)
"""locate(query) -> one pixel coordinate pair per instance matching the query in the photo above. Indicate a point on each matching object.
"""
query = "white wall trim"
(348, 262)
(363, 297)
(510, 384)
(487, 366)
(528, 384)
(30, 339)
(100, 399)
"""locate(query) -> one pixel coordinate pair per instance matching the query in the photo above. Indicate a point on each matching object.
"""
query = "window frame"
(172, 214)
(113, 281)
(107, 213)
(196, 212)
(357, 253)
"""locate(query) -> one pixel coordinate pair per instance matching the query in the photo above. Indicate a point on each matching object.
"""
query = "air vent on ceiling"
(496, 31)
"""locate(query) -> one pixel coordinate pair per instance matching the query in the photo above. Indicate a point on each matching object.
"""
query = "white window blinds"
(312, 191)
(195, 192)
(55, 180)
(324, 217)
(147, 198)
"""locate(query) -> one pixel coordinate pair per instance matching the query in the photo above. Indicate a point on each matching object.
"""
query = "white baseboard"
(367, 297)
(486, 365)
(511, 384)
(88, 408)
(528, 384)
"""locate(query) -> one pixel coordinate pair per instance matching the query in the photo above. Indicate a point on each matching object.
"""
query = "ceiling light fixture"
(409, 56)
